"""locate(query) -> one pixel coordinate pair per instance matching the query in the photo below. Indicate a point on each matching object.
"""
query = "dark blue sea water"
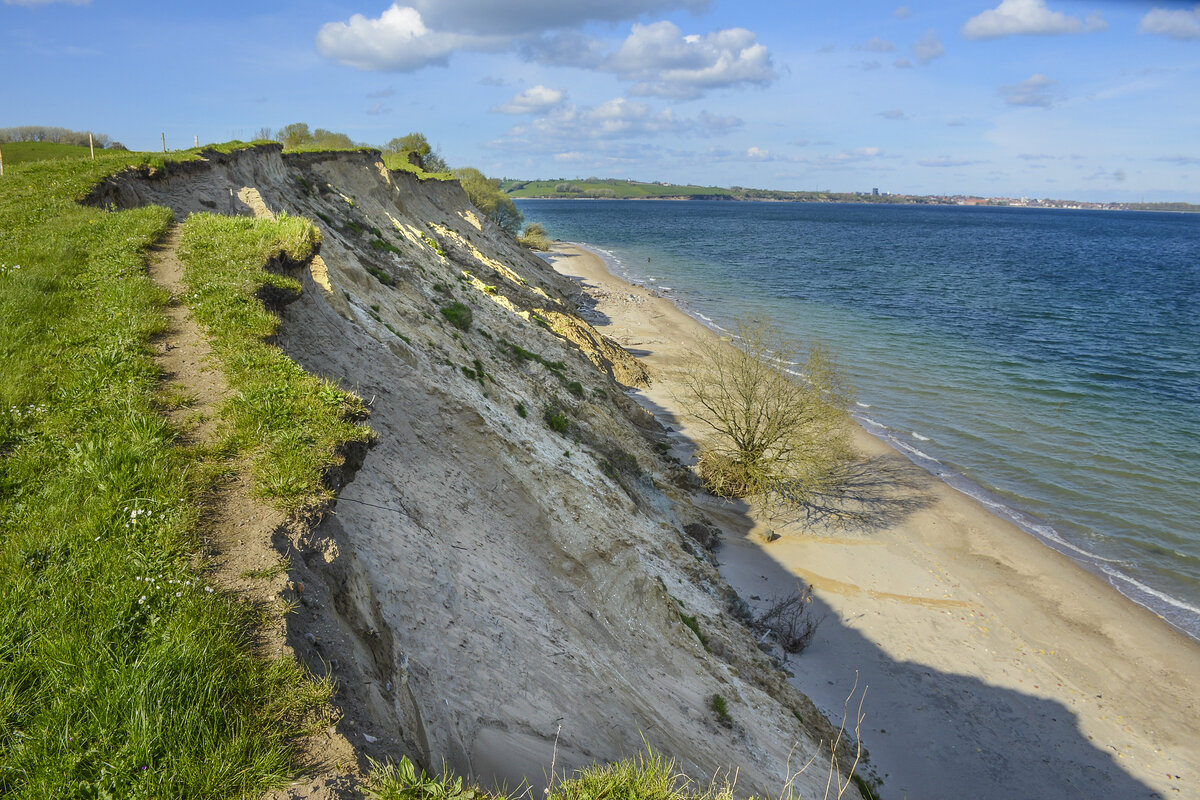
(1046, 362)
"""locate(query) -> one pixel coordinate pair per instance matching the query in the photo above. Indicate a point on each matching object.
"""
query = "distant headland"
(623, 189)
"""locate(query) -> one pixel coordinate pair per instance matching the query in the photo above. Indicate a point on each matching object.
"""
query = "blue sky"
(1092, 100)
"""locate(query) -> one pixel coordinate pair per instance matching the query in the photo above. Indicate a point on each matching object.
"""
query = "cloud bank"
(658, 59)
(1027, 17)
(1175, 24)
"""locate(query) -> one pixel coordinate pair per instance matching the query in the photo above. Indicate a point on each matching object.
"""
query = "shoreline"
(1178, 613)
(994, 661)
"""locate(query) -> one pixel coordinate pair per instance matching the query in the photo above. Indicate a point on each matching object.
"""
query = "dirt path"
(245, 536)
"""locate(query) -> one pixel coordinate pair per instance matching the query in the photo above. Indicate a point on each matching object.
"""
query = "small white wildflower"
(141, 599)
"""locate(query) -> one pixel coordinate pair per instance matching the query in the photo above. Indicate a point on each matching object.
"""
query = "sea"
(1045, 362)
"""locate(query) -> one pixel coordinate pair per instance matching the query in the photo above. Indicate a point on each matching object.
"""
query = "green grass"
(381, 275)
(385, 246)
(646, 777)
(23, 152)
(557, 419)
(291, 424)
(399, 163)
(522, 355)
(691, 624)
(459, 315)
(721, 709)
(121, 673)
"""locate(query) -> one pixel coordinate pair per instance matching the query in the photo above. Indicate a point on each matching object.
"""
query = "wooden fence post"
(164, 138)
(92, 145)
(1, 163)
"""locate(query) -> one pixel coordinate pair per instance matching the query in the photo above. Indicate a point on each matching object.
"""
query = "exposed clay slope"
(486, 580)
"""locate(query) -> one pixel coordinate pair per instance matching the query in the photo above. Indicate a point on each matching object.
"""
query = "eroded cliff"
(502, 582)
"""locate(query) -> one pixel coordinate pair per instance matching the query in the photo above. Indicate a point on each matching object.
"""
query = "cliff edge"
(503, 584)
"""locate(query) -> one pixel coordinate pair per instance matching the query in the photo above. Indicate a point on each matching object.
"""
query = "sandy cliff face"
(487, 584)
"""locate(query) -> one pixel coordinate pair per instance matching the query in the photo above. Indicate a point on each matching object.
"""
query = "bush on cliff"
(485, 194)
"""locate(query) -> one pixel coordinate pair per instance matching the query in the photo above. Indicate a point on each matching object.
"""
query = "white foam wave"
(918, 453)
(863, 418)
(921, 438)
(862, 405)
(1144, 589)
(1038, 529)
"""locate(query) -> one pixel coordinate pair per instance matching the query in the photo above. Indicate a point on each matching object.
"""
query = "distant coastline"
(620, 189)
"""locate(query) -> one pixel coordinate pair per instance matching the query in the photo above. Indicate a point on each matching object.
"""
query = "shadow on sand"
(946, 735)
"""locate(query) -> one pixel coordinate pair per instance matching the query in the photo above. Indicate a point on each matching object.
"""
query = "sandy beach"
(995, 667)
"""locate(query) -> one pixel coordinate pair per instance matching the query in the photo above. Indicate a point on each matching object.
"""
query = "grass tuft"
(459, 315)
(721, 709)
(557, 419)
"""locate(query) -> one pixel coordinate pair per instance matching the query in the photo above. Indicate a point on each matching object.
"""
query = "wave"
(1119, 579)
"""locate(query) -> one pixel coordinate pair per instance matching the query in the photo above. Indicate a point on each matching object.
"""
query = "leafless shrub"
(791, 620)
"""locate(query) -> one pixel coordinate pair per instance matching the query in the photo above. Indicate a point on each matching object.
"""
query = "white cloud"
(1102, 174)
(618, 119)
(658, 58)
(876, 45)
(566, 49)
(1176, 24)
(1034, 91)
(928, 47)
(397, 41)
(1016, 17)
(893, 113)
(665, 62)
(946, 161)
(713, 124)
(903, 12)
(758, 154)
(535, 100)
(902, 63)
(1185, 161)
(523, 17)
(571, 157)
(846, 158)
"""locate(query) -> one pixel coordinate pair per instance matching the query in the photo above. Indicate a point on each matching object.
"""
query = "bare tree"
(791, 620)
(774, 434)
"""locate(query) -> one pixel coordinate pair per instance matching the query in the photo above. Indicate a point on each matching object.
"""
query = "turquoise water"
(1045, 362)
